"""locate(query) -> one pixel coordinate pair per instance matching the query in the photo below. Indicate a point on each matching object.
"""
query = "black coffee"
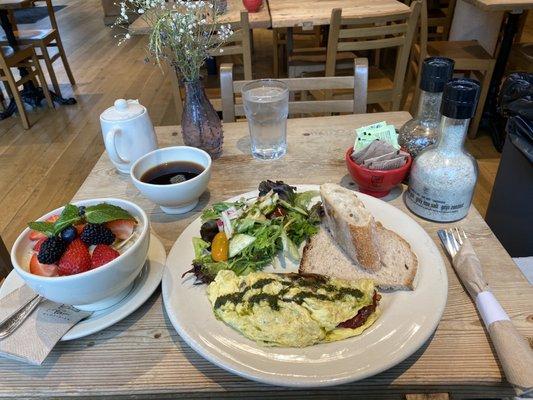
(172, 172)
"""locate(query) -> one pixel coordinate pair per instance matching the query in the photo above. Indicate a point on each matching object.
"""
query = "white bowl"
(177, 198)
(95, 289)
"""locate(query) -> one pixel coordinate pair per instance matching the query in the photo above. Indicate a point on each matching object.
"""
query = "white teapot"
(128, 133)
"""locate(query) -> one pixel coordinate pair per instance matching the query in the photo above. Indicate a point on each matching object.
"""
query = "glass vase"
(200, 123)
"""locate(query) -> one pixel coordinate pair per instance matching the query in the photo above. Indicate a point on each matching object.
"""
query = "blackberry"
(69, 234)
(51, 250)
(97, 234)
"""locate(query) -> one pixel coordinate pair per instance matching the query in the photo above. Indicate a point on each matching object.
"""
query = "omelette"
(293, 310)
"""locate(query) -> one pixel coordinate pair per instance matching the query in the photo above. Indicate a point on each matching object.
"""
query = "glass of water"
(266, 104)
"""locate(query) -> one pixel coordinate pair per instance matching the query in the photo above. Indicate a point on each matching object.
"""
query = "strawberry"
(76, 259)
(37, 245)
(36, 235)
(102, 254)
(37, 268)
(122, 228)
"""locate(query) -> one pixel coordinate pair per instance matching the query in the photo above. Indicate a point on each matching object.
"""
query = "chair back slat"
(371, 44)
(357, 82)
(380, 31)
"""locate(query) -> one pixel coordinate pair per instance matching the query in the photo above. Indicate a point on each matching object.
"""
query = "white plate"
(407, 321)
(144, 286)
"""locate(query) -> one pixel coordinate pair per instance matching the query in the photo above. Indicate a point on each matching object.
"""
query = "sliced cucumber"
(238, 243)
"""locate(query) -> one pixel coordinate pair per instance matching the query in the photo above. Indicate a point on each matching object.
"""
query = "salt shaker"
(422, 131)
(443, 177)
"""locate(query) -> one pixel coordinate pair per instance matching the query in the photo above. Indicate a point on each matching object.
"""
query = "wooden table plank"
(290, 13)
(260, 19)
(502, 5)
(143, 356)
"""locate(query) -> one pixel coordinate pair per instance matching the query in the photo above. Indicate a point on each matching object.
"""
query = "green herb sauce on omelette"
(293, 310)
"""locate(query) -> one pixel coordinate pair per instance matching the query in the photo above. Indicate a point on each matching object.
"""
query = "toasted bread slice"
(352, 225)
(323, 256)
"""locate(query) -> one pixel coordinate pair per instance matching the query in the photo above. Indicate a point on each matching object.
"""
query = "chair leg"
(18, 100)
(485, 84)
(50, 69)
(39, 72)
(275, 54)
(65, 60)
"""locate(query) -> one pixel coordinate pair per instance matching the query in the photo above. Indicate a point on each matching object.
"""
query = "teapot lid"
(123, 110)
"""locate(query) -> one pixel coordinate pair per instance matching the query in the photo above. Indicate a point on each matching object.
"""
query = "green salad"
(247, 235)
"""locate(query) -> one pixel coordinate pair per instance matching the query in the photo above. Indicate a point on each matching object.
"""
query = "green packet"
(378, 131)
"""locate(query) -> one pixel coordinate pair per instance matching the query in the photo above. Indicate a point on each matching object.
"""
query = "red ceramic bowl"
(375, 182)
(252, 6)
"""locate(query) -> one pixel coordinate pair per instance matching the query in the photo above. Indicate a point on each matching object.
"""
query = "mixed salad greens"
(247, 235)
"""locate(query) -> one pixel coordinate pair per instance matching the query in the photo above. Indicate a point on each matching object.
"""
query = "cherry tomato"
(220, 247)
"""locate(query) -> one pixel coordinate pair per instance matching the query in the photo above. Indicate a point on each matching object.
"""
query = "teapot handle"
(111, 147)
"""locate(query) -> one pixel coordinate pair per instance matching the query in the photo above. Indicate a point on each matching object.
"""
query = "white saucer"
(143, 287)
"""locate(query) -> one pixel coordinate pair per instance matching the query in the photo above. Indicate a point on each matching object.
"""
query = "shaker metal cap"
(459, 99)
(436, 71)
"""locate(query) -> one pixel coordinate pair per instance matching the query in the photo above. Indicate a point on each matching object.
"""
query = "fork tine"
(464, 233)
(453, 240)
(458, 238)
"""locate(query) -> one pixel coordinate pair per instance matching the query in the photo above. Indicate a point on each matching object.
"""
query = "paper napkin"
(39, 333)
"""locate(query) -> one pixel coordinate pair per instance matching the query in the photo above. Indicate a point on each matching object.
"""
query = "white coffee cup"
(128, 133)
(176, 198)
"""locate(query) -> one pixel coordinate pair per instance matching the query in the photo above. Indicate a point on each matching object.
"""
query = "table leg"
(30, 94)
(491, 120)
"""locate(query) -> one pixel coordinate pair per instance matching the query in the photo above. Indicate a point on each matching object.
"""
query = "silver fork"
(452, 239)
(9, 326)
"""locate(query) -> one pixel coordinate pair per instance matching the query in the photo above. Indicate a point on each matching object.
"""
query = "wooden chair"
(24, 57)
(5, 261)
(238, 44)
(43, 39)
(469, 56)
(347, 36)
(440, 19)
(357, 83)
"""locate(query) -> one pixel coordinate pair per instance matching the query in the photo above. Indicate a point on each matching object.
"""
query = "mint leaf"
(104, 212)
(69, 216)
(45, 227)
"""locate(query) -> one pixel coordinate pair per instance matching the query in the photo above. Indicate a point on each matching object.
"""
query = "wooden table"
(290, 13)
(14, 4)
(143, 356)
(260, 19)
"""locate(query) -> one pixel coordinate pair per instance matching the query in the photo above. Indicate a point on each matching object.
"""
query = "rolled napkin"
(35, 338)
(380, 155)
(514, 352)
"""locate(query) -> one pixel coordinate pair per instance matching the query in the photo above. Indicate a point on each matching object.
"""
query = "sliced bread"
(323, 256)
(352, 225)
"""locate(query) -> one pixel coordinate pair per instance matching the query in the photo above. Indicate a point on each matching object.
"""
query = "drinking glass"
(266, 104)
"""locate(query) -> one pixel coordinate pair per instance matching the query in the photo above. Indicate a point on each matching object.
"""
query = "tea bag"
(380, 155)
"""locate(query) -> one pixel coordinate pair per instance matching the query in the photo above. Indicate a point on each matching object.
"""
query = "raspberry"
(51, 250)
(97, 234)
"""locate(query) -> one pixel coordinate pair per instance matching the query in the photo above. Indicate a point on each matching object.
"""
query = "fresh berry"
(36, 235)
(97, 234)
(38, 244)
(79, 228)
(51, 250)
(122, 228)
(75, 259)
(37, 268)
(81, 210)
(102, 254)
(69, 234)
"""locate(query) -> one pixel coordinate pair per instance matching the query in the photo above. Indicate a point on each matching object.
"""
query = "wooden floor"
(43, 167)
